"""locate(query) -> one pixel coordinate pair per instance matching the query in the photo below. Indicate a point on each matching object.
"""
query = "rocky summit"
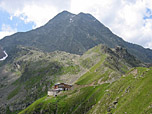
(74, 34)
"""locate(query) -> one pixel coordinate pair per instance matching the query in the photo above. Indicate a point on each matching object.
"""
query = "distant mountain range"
(74, 34)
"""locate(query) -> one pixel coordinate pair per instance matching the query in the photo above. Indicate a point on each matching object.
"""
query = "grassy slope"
(103, 65)
(89, 77)
(130, 94)
(94, 92)
(105, 70)
(36, 71)
(75, 101)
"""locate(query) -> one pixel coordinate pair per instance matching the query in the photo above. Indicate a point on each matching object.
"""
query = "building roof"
(62, 83)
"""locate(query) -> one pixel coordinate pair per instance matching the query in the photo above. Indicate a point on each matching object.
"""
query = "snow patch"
(71, 20)
(6, 55)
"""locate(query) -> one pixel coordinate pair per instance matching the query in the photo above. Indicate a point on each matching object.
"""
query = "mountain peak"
(74, 34)
(82, 13)
(65, 13)
(87, 15)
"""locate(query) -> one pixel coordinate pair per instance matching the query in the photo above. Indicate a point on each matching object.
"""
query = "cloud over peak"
(6, 30)
(130, 19)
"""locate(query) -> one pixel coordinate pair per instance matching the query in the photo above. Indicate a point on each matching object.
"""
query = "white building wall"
(50, 93)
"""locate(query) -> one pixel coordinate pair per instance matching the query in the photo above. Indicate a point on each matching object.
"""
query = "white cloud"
(6, 30)
(38, 15)
(124, 17)
(37, 11)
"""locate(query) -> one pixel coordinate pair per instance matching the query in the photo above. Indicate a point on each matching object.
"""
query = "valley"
(102, 89)
(108, 75)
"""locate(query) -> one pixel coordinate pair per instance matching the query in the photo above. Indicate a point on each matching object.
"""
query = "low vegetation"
(99, 74)
(122, 96)
(13, 93)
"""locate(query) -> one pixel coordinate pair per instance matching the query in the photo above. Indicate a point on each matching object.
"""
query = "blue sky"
(149, 12)
(129, 19)
(14, 22)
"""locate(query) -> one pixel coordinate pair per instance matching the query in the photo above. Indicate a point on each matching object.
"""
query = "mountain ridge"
(110, 85)
(29, 73)
(74, 34)
(78, 50)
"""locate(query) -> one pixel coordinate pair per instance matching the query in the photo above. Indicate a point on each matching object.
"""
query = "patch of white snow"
(6, 55)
